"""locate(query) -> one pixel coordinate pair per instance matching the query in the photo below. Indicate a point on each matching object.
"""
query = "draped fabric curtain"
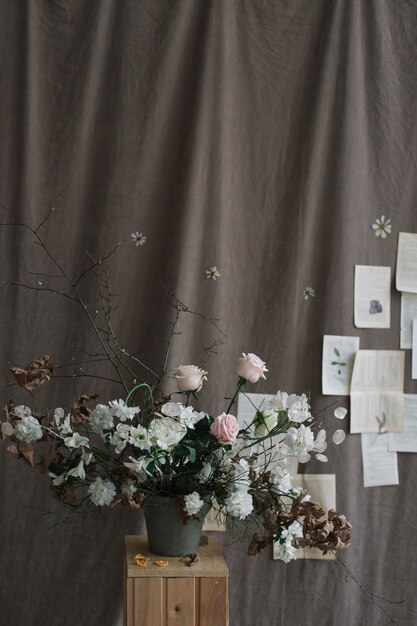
(263, 137)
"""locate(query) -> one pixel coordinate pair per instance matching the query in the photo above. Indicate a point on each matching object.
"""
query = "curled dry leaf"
(190, 559)
(257, 544)
(161, 563)
(34, 374)
(78, 411)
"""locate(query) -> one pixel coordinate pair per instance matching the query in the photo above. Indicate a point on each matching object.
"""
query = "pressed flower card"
(372, 296)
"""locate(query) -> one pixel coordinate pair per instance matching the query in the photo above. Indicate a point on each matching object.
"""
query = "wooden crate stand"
(177, 595)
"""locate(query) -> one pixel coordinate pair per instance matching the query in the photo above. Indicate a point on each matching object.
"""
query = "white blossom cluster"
(283, 549)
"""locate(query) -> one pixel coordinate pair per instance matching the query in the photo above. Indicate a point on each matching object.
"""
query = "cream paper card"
(414, 352)
(372, 307)
(406, 274)
(380, 466)
(322, 488)
(376, 394)
(407, 440)
(337, 365)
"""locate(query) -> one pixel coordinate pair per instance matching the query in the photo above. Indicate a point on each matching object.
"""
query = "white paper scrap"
(338, 358)
(408, 314)
(407, 440)
(376, 393)
(414, 352)
(406, 275)
(380, 465)
(372, 307)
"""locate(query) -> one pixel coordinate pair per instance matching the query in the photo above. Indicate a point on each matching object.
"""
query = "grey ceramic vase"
(167, 534)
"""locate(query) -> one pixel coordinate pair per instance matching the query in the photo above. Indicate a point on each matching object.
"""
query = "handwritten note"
(380, 465)
(407, 440)
(408, 314)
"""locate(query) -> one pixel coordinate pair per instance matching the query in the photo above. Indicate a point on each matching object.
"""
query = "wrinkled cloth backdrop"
(260, 136)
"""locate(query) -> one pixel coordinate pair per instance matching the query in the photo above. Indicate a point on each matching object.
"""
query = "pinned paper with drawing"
(376, 393)
(372, 296)
(338, 358)
(406, 275)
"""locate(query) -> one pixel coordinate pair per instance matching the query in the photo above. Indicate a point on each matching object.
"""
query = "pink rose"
(251, 368)
(225, 428)
(189, 377)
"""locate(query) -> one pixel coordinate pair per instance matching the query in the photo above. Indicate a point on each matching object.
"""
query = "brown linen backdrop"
(260, 136)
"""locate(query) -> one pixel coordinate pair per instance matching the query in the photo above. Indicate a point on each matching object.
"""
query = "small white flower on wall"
(212, 273)
(138, 238)
(382, 227)
(309, 292)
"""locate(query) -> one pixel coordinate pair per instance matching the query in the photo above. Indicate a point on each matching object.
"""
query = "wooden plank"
(148, 601)
(214, 604)
(128, 616)
(180, 602)
(211, 562)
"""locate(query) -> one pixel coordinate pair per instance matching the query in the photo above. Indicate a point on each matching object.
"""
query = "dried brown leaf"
(34, 374)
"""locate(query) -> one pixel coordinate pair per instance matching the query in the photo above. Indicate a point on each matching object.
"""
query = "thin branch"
(96, 263)
(46, 218)
(19, 284)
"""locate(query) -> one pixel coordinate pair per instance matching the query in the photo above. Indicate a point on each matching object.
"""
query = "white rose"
(189, 377)
(251, 368)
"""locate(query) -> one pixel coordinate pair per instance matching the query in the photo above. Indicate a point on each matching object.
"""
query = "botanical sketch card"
(338, 359)
(408, 314)
(406, 274)
(376, 392)
(372, 308)
(248, 404)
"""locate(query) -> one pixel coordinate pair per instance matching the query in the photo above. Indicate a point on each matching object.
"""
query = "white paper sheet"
(408, 314)
(414, 352)
(248, 404)
(322, 488)
(376, 394)
(338, 358)
(372, 307)
(380, 466)
(407, 440)
(406, 275)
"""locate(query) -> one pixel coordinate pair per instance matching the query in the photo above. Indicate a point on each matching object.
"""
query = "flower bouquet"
(130, 450)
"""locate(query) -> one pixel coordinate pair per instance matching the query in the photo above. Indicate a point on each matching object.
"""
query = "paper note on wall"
(376, 394)
(407, 440)
(414, 352)
(406, 274)
(338, 358)
(372, 295)
(380, 466)
(408, 314)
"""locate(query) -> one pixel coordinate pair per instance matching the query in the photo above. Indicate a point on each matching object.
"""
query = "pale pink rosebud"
(225, 428)
(251, 368)
(189, 377)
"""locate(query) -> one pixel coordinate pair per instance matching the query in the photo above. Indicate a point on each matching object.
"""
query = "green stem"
(241, 383)
(148, 387)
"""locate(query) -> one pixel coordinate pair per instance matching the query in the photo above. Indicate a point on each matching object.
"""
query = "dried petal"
(340, 412)
(161, 563)
(339, 436)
